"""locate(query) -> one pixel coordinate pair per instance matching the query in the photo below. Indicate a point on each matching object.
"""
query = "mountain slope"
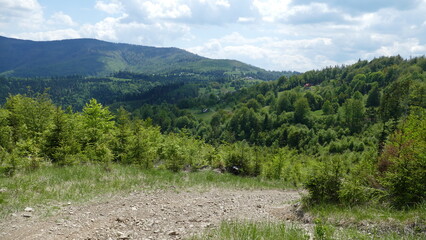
(24, 58)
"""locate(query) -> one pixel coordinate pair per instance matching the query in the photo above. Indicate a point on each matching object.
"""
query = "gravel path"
(165, 214)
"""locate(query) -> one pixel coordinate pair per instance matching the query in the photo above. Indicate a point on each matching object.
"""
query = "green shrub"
(403, 162)
(173, 155)
(241, 159)
(360, 185)
(237, 164)
(324, 183)
(274, 168)
(322, 231)
(355, 192)
(99, 152)
(143, 145)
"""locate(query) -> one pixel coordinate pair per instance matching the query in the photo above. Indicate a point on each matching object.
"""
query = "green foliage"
(29, 117)
(373, 99)
(286, 101)
(301, 110)
(322, 231)
(286, 165)
(369, 221)
(352, 115)
(123, 135)
(394, 101)
(180, 152)
(143, 145)
(422, 63)
(244, 123)
(97, 136)
(403, 161)
(62, 144)
(298, 136)
(240, 159)
(326, 136)
(324, 183)
(173, 154)
(5, 129)
(418, 94)
(253, 231)
(339, 117)
(96, 121)
(315, 101)
(327, 108)
(360, 187)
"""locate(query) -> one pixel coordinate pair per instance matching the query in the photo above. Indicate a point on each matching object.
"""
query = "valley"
(115, 127)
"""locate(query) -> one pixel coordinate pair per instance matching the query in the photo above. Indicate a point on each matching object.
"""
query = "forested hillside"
(128, 89)
(327, 110)
(349, 134)
(90, 57)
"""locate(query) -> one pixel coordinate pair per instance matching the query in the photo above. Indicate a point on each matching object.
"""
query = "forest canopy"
(349, 134)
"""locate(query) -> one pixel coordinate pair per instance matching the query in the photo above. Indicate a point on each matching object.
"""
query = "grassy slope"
(82, 183)
(49, 185)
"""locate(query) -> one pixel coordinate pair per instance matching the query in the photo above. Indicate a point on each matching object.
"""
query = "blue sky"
(295, 35)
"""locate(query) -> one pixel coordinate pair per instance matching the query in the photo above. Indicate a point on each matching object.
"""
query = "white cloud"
(314, 13)
(116, 29)
(409, 47)
(59, 18)
(270, 10)
(273, 34)
(223, 3)
(105, 29)
(165, 9)
(113, 7)
(50, 35)
(25, 14)
(246, 20)
(214, 12)
(363, 6)
(269, 52)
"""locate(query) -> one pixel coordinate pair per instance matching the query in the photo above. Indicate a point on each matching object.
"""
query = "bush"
(402, 164)
(278, 164)
(240, 159)
(237, 164)
(322, 231)
(298, 136)
(173, 155)
(356, 191)
(360, 186)
(325, 182)
(99, 152)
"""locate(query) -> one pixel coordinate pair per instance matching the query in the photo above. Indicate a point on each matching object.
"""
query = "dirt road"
(161, 214)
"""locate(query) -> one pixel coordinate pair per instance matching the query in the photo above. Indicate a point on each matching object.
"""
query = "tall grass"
(247, 230)
(369, 221)
(51, 185)
(253, 231)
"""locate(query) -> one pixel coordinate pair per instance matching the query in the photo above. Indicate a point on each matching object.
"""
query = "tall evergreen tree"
(373, 99)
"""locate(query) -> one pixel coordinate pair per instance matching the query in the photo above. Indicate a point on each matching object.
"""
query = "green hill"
(90, 57)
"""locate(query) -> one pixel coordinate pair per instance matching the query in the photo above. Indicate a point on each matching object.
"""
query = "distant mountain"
(90, 57)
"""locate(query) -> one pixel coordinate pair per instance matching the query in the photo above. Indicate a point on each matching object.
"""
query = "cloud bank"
(273, 34)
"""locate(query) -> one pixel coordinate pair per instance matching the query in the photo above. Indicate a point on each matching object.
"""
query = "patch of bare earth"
(164, 214)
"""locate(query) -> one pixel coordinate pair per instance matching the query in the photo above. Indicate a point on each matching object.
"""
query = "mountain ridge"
(92, 57)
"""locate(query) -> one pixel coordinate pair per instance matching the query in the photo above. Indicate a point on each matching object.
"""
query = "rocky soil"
(160, 214)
